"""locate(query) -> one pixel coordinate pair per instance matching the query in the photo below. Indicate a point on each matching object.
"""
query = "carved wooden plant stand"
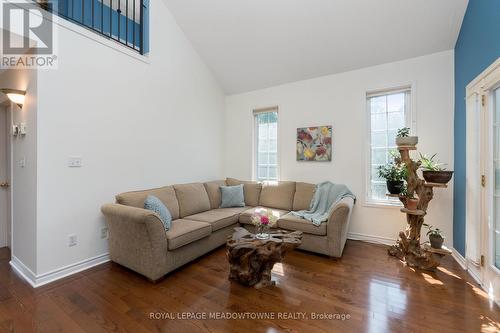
(251, 260)
(408, 248)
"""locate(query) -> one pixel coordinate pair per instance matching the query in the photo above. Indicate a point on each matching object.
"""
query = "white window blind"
(266, 146)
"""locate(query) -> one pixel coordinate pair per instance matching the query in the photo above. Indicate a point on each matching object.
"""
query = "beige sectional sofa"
(137, 239)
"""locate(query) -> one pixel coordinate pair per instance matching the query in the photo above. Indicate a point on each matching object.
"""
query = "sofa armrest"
(137, 239)
(338, 225)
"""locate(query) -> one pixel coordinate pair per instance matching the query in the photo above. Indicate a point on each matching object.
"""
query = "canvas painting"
(314, 143)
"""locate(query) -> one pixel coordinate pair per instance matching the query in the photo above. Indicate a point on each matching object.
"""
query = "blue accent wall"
(478, 46)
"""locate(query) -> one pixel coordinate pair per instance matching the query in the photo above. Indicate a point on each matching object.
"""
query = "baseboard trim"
(21, 269)
(459, 258)
(370, 238)
(42, 279)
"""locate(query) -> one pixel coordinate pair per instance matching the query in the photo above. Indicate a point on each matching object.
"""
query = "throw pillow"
(155, 204)
(232, 196)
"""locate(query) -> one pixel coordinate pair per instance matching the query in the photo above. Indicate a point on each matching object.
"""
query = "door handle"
(4, 184)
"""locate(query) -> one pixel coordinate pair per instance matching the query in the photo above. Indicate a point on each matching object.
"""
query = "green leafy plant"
(431, 231)
(393, 172)
(428, 163)
(405, 193)
(403, 132)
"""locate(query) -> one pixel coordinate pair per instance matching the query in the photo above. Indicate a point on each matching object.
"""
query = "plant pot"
(407, 141)
(440, 177)
(411, 204)
(395, 186)
(436, 241)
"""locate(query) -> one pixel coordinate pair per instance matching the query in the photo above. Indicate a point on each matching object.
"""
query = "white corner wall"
(24, 181)
(136, 125)
(339, 100)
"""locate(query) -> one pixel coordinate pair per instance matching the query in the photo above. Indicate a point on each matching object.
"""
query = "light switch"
(22, 162)
(75, 162)
(15, 130)
(22, 128)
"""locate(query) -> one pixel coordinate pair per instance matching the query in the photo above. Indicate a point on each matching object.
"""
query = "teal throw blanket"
(325, 198)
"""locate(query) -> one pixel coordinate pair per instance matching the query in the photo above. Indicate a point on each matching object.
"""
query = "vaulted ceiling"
(253, 44)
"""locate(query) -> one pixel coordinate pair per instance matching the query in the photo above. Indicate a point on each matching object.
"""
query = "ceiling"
(253, 44)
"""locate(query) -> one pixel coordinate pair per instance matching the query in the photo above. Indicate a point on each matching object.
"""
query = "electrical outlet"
(72, 240)
(75, 162)
(104, 233)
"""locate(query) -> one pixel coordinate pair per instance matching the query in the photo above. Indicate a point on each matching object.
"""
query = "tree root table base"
(416, 256)
(408, 248)
(251, 260)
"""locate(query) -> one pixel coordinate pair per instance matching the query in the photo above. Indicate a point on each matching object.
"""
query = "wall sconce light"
(16, 96)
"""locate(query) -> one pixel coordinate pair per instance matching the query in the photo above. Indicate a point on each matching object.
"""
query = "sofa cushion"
(278, 195)
(183, 232)
(213, 191)
(232, 196)
(218, 218)
(251, 190)
(303, 195)
(165, 194)
(246, 216)
(291, 222)
(193, 199)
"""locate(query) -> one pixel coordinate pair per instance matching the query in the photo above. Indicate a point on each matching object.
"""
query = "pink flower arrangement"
(264, 217)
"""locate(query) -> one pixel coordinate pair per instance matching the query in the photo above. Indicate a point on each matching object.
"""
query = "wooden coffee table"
(251, 260)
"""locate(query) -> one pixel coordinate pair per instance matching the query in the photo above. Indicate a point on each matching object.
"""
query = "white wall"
(136, 125)
(24, 182)
(339, 100)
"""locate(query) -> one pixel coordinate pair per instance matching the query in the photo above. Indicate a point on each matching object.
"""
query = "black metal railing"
(119, 20)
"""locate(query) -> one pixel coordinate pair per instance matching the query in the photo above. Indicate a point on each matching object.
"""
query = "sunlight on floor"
(430, 279)
(478, 291)
(278, 269)
(444, 270)
(490, 326)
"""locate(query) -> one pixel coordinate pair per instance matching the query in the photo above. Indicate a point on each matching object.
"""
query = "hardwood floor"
(375, 291)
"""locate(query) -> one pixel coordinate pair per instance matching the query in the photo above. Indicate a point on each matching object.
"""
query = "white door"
(491, 193)
(4, 177)
(483, 180)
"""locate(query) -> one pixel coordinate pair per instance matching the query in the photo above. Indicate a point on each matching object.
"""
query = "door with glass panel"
(483, 180)
(494, 224)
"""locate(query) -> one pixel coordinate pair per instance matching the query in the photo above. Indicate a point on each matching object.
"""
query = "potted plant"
(394, 175)
(433, 172)
(435, 236)
(403, 138)
(409, 199)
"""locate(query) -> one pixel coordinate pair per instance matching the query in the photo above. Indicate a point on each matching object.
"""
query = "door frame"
(7, 107)
(483, 87)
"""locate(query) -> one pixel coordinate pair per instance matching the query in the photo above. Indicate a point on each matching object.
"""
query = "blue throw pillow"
(155, 204)
(232, 196)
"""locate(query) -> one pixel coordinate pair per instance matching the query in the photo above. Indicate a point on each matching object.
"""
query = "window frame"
(255, 149)
(410, 121)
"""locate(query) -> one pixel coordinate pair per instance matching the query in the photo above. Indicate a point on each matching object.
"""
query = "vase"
(262, 231)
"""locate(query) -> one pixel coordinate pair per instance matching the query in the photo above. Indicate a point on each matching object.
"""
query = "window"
(266, 145)
(387, 112)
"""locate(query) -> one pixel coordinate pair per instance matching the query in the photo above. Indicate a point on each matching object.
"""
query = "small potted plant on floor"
(433, 172)
(408, 199)
(435, 236)
(403, 138)
(394, 175)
